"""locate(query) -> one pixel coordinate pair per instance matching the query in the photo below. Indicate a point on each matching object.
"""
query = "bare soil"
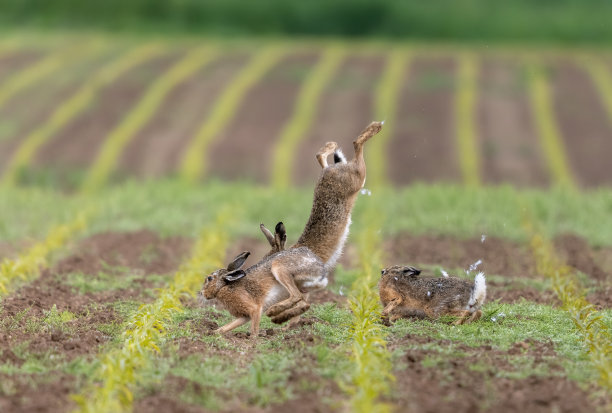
(159, 147)
(584, 123)
(244, 150)
(344, 110)
(11, 63)
(423, 146)
(508, 139)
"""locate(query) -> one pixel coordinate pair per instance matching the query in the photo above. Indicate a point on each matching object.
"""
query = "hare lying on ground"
(304, 266)
(404, 294)
(248, 293)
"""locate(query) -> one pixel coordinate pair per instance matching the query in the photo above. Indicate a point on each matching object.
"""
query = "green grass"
(174, 208)
(513, 323)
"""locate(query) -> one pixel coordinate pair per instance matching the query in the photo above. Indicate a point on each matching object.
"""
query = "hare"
(404, 294)
(327, 228)
(304, 266)
(246, 294)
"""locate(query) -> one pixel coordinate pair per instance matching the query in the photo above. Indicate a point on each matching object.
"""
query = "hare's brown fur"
(304, 266)
(404, 293)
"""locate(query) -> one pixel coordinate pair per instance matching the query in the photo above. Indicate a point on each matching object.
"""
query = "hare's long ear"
(280, 235)
(238, 261)
(411, 271)
(267, 234)
(234, 276)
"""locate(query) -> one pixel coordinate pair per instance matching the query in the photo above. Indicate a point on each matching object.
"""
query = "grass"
(120, 368)
(26, 267)
(171, 207)
(520, 322)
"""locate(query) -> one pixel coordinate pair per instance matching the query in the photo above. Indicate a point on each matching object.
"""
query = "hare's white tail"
(339, 156)
(479, 292)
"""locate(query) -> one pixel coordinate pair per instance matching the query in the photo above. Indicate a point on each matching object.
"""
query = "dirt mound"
(577, 253)
(28, 397)
(142, 250)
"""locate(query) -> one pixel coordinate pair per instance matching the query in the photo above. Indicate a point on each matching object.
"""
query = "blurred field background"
(142, 142)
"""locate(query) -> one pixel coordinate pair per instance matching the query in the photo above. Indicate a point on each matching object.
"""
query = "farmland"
(130, 168)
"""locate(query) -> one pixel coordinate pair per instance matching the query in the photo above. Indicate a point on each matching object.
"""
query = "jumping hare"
(404, 294)
(304, 266)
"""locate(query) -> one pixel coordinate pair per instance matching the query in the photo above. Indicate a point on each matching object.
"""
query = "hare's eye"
(209, 278)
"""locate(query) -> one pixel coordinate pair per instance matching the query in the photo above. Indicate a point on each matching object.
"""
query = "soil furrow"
(244, 150)
(506, 132)
(423, 147)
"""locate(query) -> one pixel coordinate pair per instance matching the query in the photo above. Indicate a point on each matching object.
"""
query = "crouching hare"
(404, 294)
(246, 294)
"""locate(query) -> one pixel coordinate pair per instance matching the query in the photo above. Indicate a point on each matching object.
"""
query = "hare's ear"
(411, 271)
(238, 261)
(281, 235)
(267, 234)
(234, 276)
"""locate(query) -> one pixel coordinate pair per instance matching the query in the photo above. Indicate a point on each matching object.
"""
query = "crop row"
(26, 267)
(193, 166)
(120, 367)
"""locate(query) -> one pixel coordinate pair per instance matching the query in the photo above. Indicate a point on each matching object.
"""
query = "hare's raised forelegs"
(232, 325)
(284, 277)
(371, 130)
(324, 152)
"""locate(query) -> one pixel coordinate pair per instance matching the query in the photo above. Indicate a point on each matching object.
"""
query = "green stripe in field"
(546, 125)
(120, 367)
(303, 114)
(143, 111)
(588, 321)
(372, 374)
(33, 74)
(73, 106)
(602, 79)
(465, 115)
(26, 266)
(387, 98)
(193, 165)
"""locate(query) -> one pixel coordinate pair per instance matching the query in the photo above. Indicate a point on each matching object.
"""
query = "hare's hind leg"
(324, 152)
(284, 277)
(232, 325)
